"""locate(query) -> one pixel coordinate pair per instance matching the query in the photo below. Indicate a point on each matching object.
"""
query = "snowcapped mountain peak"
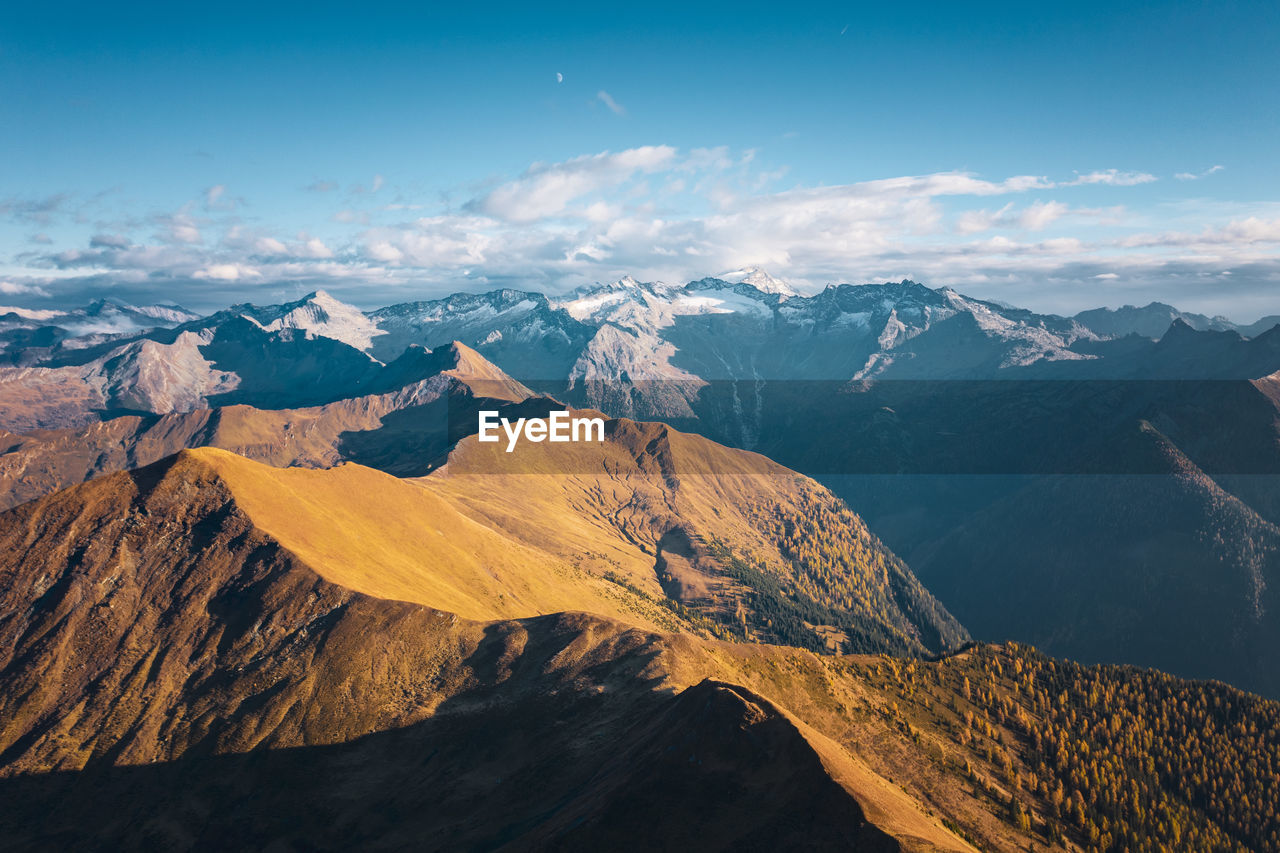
(597, 301)
(167, 313)
(760, 280)
(318, 314)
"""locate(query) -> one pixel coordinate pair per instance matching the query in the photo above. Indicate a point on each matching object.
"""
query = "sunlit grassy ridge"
(155, 617)
(725, 533)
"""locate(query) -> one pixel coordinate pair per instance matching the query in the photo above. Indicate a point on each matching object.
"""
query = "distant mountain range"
(631, 348)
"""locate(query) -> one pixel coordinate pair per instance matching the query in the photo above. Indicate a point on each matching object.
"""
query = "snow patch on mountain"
(320, 315)
(760, 280)
(718, 302)
(170, 314)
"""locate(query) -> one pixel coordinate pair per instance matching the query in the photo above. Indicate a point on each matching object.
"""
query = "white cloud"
(607, 99)
(306, 247)
(1034, 217)
(178, 227)
(226, 272)
(108, 241)
(546, 190)
(1041, 215)
(270, 246)
(1111, 177)
(314, 248)
(348, 216)
(29, 313)
(1239, 232)
(1194, 176)
(383, 251)
(376, 184)
(40, 211)
(664, 214)
(13, 288)
(975, 221)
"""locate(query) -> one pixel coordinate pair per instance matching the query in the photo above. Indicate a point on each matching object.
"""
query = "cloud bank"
(661, 213)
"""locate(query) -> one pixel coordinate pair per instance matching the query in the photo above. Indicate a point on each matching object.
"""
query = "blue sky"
(1055, 156)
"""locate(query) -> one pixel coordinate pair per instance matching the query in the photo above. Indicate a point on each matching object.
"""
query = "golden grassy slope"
(635, 525)
(493, 546)
(502, 545)
(759, 548)
(155, 615)
(610, 503)
(393, 539)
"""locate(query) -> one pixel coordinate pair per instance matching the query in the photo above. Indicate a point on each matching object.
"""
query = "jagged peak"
(760, 279)
(459, 361)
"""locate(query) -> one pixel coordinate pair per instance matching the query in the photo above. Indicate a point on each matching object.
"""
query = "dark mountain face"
(1149, 321)
(1034, 509)
(285, 368)
(1166, 570)
(610, 347)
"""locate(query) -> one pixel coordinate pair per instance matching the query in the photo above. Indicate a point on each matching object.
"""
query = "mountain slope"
(142, 375)
(635, 349)
(649, 512)
(318, 315)
(188, 681)
(1149, 321)
(765, 553)
(403, 430)
(703, 527)
(152, 619)
(514, 328)
(28, 336)
(1174, 572)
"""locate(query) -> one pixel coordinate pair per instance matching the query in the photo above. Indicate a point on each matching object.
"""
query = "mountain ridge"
(161, 642)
